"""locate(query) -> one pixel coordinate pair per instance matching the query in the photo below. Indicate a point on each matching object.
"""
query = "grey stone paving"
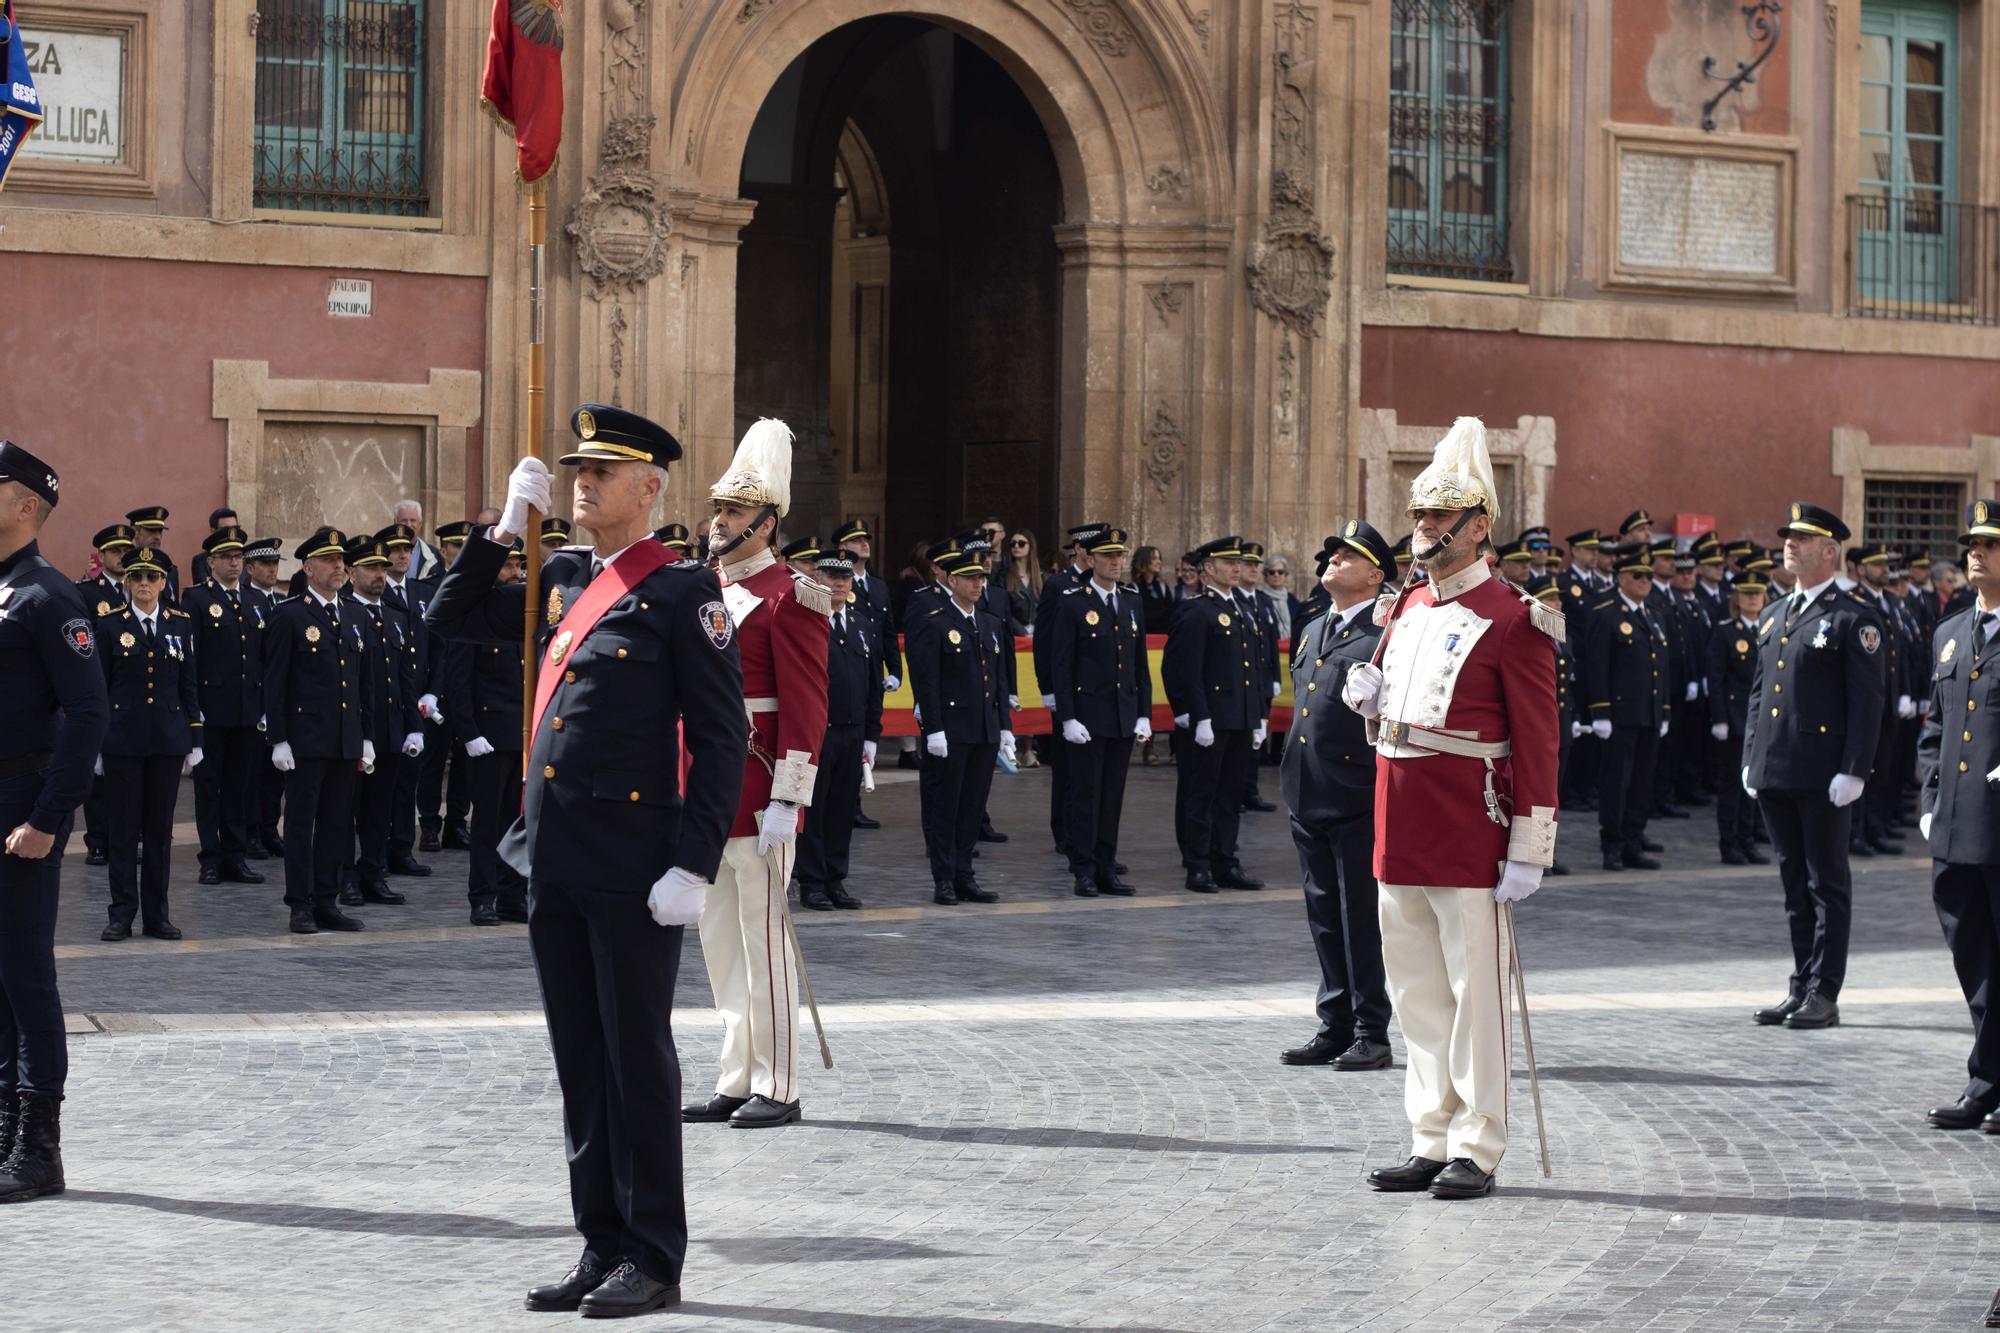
(988, 1173)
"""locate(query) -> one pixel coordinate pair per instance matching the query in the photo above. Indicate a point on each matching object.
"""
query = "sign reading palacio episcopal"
(80, 74)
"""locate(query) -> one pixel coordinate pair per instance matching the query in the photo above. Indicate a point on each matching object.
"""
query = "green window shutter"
(1450, 80)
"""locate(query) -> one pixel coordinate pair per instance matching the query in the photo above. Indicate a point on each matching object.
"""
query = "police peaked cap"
(225, 541)
(1982, 519)
(265, 548)
(152, 516)
(1809, 520)
(805, 548)
(1222, 548)
(1638, 518)
(1359, 536)
(140, 562)
(113, 537)
(397, 534)
(555, 527)
(1632, 558)
(853, 531)
(326, 541)
(613, 435)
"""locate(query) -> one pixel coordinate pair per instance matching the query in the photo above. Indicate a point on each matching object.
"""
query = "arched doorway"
(898, 286)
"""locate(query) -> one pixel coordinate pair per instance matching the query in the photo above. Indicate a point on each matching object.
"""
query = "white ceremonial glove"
(1748, 790)
(1013, 703)
(1363, 690)
(1274, 689)
(193, 760)
(1048, 701)
(427, 704)
(1575, 730)
(1204, 734)
(868, 753)
(97, 768)
(527, 487)
(1845, 789)
(368, 756)
(1257, 736)
(1720, 731)
(281, 757)
(1181, 720)
(677, 898)
(1994, 776)
(1924, 823)
(778, 828)
(1601, 729)
(1663, 728)
(1906, 707)
(1517, 881)
(890, 684)
(1694, 690)
(1007, 746)
(478, 747)
(1142, 730)
(413, 744)
(1076, 733)
(937, 745)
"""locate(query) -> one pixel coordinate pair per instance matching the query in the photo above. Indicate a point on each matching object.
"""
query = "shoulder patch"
(76, 633)
(1546, 618)
(1871, 638)
(717, 623)
(815, 596)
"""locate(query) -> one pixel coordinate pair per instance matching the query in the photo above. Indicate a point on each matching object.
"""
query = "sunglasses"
(1278, 572)
(1019, 544)
(147, 576)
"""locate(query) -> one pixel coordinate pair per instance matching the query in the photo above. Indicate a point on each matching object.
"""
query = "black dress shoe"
(711, 1112)
(987, 833)
(485, 914)
(1117, 867)
(1885, 847)
(1991, 1124)
(1732, 855)
(1415, 1174)
(1778, 1012)
(427, 841)
(626, 1291)
(1964, 1113)
(96, 858)
(1612, 859)
(863, 821)
(1365, 1053)
(1200, 881)
(1816, 1012)
(1233, 878)
(255, 853)
(302, 922)
(1635, 859)
(276, 847)
(1861, 849)
(1462, 1179)
(1115, 887)
(907, 759)
(1668, 812)
(1084, 887)
(1558, 868)
(943, 896)
(163, 930)
(116, 931)
(842, 899)
(209, 875)
(815, 900)
(380, 892)
(330, 917)
(350, 896)
(1323, 1049)
(579, 1282)
(968, 891)
(235, 872)
(1647, 844)
(456, 839)
(408, 866)
(515, 912)
(1753, 856)
(1259, 804)
(760, 1112)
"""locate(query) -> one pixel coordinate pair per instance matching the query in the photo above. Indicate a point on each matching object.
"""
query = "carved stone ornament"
(620, 231)
(1169, 179)
(1164, 443)
(1291, 273)
(1101, 21)
(751, 9)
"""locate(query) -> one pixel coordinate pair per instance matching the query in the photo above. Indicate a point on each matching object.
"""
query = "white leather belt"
(760, 705)
(1444, 742)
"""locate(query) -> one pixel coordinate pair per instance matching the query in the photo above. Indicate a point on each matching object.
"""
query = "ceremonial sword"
(1527, 1035)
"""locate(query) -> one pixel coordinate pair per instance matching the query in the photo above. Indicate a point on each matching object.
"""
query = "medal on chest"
(1819, 639)
(1950, 651)
(555, 611)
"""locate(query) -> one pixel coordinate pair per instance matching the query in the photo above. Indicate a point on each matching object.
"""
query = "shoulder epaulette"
(1073, 590)
(937, 610)
(107, 611)
(1383, 605)
(575, 550)
(814, 596)
(1548, 619)
(1599, 606)
(176, 611)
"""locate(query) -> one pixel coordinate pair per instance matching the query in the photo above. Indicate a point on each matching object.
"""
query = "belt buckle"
(1398, 732)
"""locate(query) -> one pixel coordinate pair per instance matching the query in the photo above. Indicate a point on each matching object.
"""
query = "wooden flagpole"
(531, 540)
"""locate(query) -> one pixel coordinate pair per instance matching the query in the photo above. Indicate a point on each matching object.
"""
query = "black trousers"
(828, 832)
(402, 829)
(319, 814)
(34, 1052)
(1098, 769)
(374, 807)
(270, 797)
(1584, 761)
(1625, 769)
(1210, 799)
(1735, 812)
(96, 822)
(952, 791)
(441, 778)
(1810, 837)
(1968, 907)
(607, 976)
(1060, 794)
(495, 780)
(141, 792)
(233, 759)
(1690, 737)
(1338, 862)
(1882, 797)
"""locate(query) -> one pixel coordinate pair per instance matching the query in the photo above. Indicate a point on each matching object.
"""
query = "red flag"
(523, 82)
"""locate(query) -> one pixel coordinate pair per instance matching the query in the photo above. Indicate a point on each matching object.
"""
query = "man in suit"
(637, 651)
(404, 601)
(1624, 688)
(1960, 752)
(1816, 708)
(228, 628)
(853, 726)
(1104, 704)
(1327, 778)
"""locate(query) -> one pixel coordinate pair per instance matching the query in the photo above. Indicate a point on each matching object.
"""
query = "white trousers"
(752, 973)
(1448, 961)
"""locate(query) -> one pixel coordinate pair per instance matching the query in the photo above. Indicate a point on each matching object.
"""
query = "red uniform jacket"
(781, 631)
(1480, 664)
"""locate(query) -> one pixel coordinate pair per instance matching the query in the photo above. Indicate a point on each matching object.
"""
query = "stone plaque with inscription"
(349, 474)
(1696, 215)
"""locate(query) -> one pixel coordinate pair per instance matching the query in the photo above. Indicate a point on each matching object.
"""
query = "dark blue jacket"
(316, 695)
(1097, 661)
(854, 671)
(1960, 745)
(53, 702)
(957, 675)
(1627, 664)
(229, 648)
(1209, 667)
(1327, 773)
(482, 692)
(1816, 706)
(392, 674)
(155, 708)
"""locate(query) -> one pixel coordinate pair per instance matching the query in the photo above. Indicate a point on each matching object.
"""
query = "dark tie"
(1980, 632)
(152, 639)
(1112, 602)
(840, 625)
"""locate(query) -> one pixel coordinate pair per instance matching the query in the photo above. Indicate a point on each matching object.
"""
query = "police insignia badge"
(1743, 645)
(555, 605)
(104, 608)
(215, 610)
(1222, 619)
(127, 641)
(1979, 512)
(955, 637)
(586, 425)
(1950, 651)
(1798, 512)
(312, 633)
(717, 624)
(1871, 638)
(77, 635)
(559, 649)
(1576, 590)
(1624, 627)
(1090, 617)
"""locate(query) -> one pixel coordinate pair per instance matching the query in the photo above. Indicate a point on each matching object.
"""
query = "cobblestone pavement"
(1052, 1114)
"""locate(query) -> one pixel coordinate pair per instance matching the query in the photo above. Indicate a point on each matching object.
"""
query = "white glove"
(677, 898)
(193, 760)
(937, 745)
(1274, 689)
(1517, 881)
(1007, 746)
(1363, 690)
(1013, 703)
(892, 683)
(1845, 789)
(1204, 734)
(527, 487)
(868, 753)
(1720, 731)
(1181, 720)
(1257, 736)
(281, 757)
(778, 828)
(368, 756)
(1601, 729)
(1048, 701)
(478, 747)
(1994, 776)
(1694, 689)
(1906, 707)
(1663, 728)
(1575, 730)
(413, 744)
(97, 769)
(1924, 824)
(427, 704)
(1748, 790)
(1076, 733)
(1142, 730)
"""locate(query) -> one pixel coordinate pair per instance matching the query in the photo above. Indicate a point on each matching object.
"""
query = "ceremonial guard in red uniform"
(781, 632)
(1463, 713)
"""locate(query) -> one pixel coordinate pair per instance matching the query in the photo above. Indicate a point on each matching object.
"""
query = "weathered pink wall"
(109, 372)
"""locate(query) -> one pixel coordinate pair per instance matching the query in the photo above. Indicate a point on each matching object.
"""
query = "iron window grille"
(340, 107)
(1449, 84)
(1914, 517)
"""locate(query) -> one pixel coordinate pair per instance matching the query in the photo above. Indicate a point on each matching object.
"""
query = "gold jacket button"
(635, 795)
(569, 677)
(549, 770)
(621, 652)
(556, 722)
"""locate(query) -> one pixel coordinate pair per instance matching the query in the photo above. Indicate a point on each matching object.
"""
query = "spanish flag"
(20, 105)
(523, 82)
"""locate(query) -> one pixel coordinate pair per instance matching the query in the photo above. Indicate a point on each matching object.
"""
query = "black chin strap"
(1444, 542)
(767, 511)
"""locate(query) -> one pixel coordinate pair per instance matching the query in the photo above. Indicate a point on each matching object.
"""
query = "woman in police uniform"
(155, 736)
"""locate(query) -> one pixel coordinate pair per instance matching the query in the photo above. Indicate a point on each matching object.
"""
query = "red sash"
(621, 576)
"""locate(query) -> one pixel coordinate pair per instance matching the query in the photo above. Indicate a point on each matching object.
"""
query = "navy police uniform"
(404, 601)
(1626, 666)
(960, 684)
(482, 697)
(268, 810)
(228, 626)
(390, 667)
(853, 719)
(1210, 674)
(1731, 669)
(102, 593)
(1061, 795)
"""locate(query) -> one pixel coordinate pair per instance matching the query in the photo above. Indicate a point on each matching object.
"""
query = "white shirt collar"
(1352, 613)
(1102, 595)
(1810, 595)
(1461, 583)
(313, 593)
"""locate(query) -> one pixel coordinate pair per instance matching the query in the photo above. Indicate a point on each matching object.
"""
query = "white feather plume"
(1461, 472)
(764, 460)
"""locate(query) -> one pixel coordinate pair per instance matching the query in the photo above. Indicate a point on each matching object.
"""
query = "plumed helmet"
(761, 472)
